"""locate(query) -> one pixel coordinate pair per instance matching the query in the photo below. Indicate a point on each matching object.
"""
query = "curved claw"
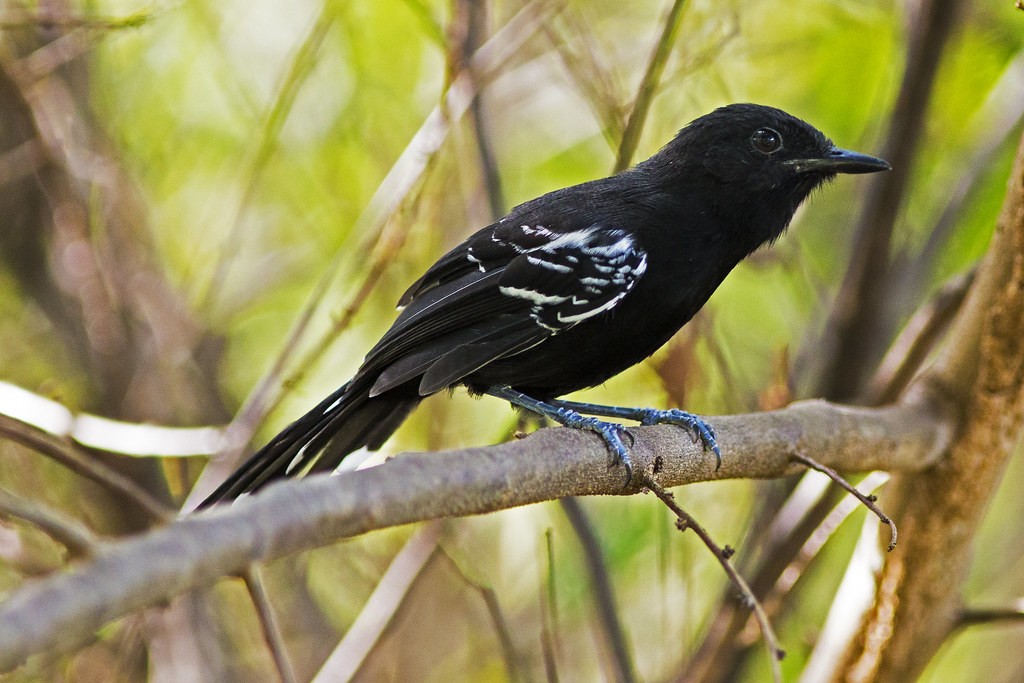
(610, 432)
(701, 429)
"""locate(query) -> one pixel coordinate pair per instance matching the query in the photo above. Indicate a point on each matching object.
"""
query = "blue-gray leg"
(566, 416)
(651, 416)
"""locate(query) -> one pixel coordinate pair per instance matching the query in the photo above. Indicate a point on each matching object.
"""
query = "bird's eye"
(766, 140)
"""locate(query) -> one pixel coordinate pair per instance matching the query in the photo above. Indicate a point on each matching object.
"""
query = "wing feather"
(505, 290)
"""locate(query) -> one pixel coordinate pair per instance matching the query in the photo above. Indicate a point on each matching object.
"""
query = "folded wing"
(505, 290)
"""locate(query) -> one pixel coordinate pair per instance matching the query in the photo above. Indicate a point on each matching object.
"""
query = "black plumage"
(573, 287)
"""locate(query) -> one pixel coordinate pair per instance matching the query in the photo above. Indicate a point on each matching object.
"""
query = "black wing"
(506, 289)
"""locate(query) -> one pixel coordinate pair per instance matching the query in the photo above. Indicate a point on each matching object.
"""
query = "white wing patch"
(535, 297)
(573, 276)
(537, 261)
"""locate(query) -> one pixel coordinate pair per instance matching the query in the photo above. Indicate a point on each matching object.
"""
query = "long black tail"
(345, 421)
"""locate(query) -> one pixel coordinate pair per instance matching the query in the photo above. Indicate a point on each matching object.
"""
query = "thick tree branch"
(63, 611)
(981, 370)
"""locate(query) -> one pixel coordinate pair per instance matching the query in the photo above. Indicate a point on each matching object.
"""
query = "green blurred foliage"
(186, 100)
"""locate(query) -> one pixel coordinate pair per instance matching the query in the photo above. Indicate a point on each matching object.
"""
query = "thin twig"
(79, 541)
(922, 332)
(513, 661)
(549, 612)
(501, 626)
(47, 20)
(476, 29)
(788, 577)
(269, 623)
(685, 521)
(391, 591)
(649, 87)
(71, 457)
(722, 654)
(298, 71)
(971, 616)
(867, 500)
(601, 584)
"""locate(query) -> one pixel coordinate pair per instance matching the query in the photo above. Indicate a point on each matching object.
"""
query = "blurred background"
(209, 209)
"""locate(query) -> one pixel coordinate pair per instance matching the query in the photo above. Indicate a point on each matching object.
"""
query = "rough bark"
(981, 371)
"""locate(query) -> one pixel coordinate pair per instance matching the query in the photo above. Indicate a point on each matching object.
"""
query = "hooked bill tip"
(841, 161)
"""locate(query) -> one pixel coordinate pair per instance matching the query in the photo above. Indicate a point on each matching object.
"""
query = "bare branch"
(686, 521)
(268, 622)
(981, 370)
(601, 585)
(867, 501)
(50, 20)
(379, 610)
(919, 337)
(649, 86)
(63, 611)
(855, 331)
(79, 541)
(75, 460)
(973, 616)
(472, 23)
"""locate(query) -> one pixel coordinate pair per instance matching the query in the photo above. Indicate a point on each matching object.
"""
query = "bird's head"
(759, 148)
(753, 164)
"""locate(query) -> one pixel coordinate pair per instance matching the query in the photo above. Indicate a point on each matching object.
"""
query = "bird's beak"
(840, 161)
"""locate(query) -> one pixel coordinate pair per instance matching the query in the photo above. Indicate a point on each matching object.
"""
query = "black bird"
(573, 287)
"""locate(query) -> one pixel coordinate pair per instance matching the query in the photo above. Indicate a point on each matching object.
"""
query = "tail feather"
(345, 421)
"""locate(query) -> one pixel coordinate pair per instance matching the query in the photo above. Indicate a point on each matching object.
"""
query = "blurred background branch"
(312, 161)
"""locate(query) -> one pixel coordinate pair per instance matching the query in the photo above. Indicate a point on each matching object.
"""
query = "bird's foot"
(650, 416)
(702, 431)
(611, 432)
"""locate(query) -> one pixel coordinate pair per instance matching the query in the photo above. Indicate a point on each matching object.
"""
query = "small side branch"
(649, 86)
(722, 554)
(867, 500)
